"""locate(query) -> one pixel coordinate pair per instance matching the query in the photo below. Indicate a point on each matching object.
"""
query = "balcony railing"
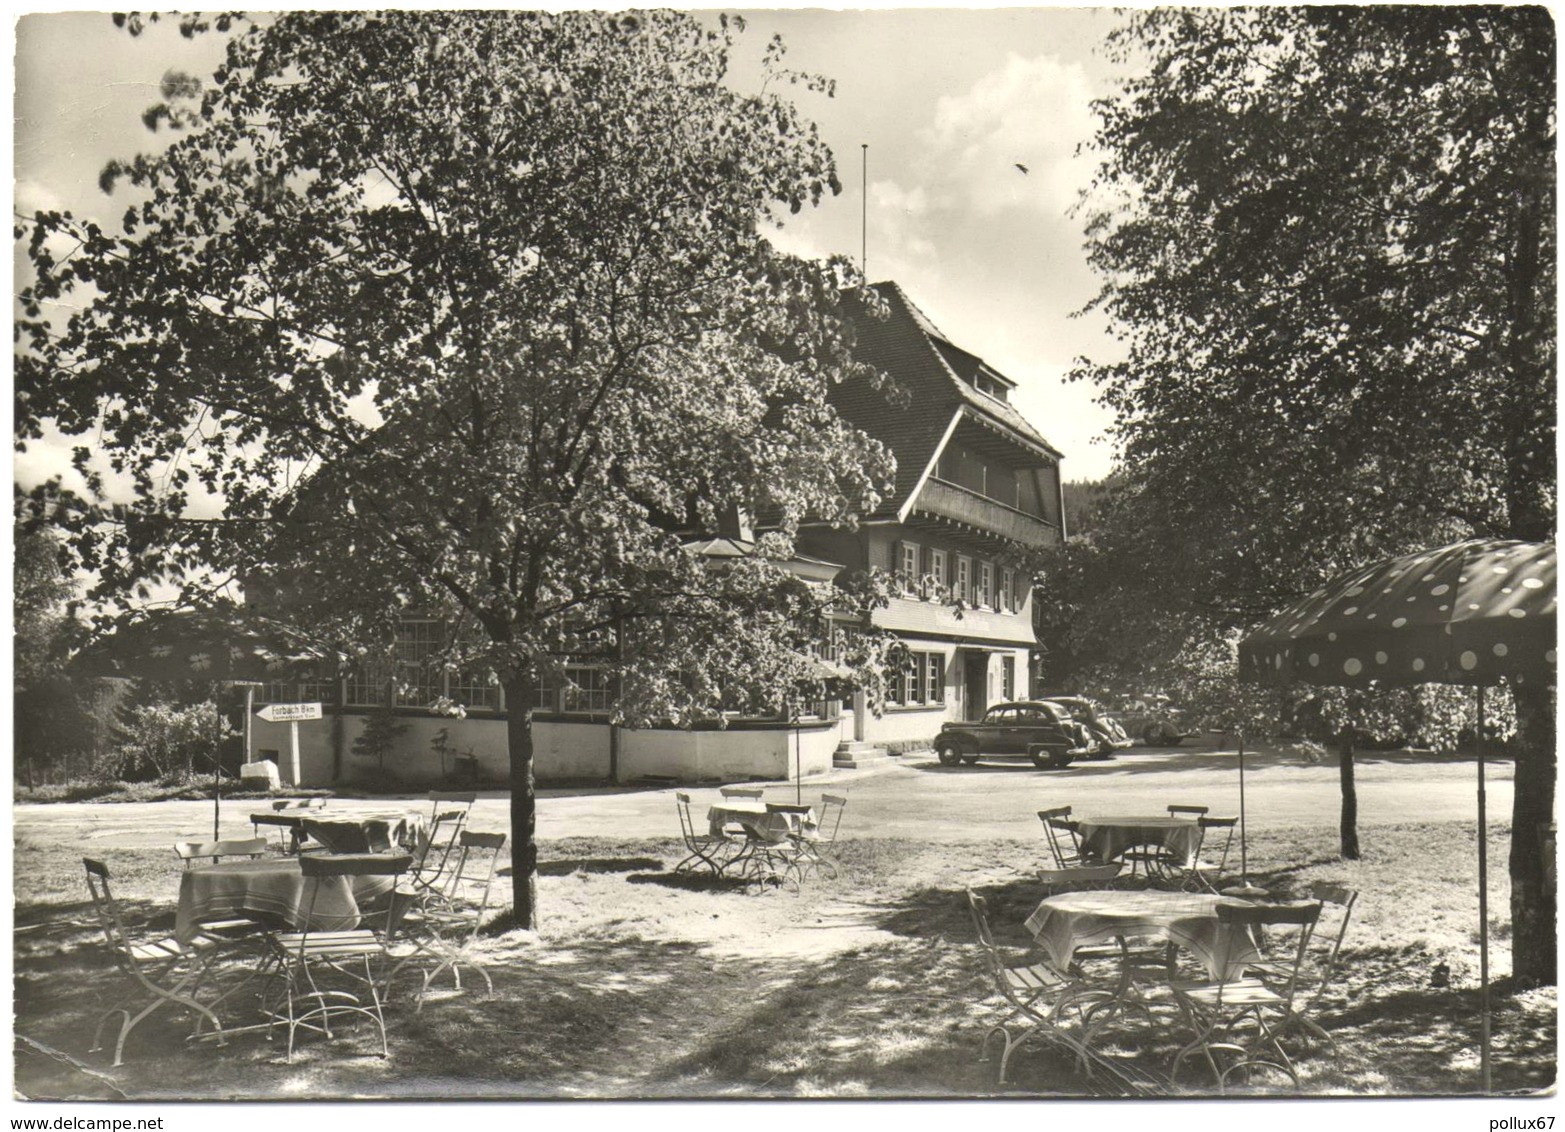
(962, 505)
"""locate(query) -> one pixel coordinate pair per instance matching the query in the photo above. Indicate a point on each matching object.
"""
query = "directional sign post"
(290, 714)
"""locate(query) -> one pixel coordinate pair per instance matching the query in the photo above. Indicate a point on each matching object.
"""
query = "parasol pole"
(1244, 890)
(798, 763)
(217, 759)
(1483, 905)
(1244, 844)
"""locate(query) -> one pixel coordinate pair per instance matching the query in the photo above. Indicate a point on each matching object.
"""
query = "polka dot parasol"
(1474, 613)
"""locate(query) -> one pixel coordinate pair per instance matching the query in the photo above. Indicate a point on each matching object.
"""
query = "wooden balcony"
(980, 515)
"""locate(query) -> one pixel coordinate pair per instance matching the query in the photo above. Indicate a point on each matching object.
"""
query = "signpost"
(290, 714)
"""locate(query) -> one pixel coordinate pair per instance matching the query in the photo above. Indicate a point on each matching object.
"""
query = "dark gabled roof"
(929, 370)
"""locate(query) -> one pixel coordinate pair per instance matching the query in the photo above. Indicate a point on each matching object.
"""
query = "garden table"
(350, 831)
(1063, 923)
(1107, 838)
(770, 822)
(274, 888)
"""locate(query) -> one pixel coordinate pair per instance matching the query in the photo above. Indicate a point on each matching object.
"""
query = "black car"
(1107, 735)
(1154, 720)
(1035, 729)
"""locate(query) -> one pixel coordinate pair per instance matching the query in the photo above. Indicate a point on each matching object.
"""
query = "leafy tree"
(1328, 244)
(57, 720)
(468, 314)
(166, 741)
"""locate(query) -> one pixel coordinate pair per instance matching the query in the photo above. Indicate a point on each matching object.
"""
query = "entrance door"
(975, 682)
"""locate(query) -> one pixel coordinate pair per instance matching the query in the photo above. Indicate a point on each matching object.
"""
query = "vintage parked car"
(1154, 720)
(1039, 730)
(1107, 734)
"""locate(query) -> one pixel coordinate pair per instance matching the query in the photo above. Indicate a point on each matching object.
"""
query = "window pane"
(935, 669)
(320, 691)
(420, 683)
(587, 688)
(475, 690)
(369, 686)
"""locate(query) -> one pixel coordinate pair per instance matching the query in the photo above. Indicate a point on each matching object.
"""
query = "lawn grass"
(641, 983)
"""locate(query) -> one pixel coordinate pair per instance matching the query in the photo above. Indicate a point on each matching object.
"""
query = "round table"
(273, 888)
(1107, 838)
(1061, 924)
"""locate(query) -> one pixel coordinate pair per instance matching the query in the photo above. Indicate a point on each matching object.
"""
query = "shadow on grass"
(597, 865)
(692, 881)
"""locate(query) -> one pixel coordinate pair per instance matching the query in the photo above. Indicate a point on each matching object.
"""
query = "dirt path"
(917, 798)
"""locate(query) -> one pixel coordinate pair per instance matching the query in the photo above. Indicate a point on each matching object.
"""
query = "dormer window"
(986, 384)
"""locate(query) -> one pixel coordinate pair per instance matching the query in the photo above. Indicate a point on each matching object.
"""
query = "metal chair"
(1188, 811)
(752, 793)
(459, 802)
(1039, 997)
(816, 845)
(433, 850)
(167, 971)
(1063, 841)
(1220, 1011)
(329, 976)
(214, 851)
(443, 927)
(713, 850)
(1319, 970)
(1206, 871)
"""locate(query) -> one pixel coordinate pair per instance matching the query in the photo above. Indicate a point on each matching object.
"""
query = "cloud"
(1032, 112)
(33, 196)
(896, 216)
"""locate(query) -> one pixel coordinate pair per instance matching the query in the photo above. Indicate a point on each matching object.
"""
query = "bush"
(168, 742)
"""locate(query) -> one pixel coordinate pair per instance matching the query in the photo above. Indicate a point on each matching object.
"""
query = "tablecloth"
(1061, 924)
(273, 887)
(764, 821)
(1106, 838)
(351, 831)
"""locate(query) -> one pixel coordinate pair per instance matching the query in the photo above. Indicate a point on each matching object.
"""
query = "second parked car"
(1107, 735)
(1041, 731)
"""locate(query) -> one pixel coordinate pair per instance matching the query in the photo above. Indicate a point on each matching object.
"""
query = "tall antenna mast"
(864, 212)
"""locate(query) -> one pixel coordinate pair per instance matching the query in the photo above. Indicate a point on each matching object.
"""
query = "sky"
(948, 101)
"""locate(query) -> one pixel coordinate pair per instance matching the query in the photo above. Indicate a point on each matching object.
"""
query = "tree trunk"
(1533, 932)
(1350, 802)
(521, 692)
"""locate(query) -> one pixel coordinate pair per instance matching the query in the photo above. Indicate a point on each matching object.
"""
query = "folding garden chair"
(710, 849)
(434, 850)
(750, 792)
(191, 852)
(165, 970)
(1188, 811)
(443, 927)
(1205, 870)
(1039, 997)
(1244, 1018)
(1063, 842)
(1319, 970)
(459, 802)
(816, 845)
(326, 977)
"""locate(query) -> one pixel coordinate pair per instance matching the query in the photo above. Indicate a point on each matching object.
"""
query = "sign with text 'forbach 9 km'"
(289, 713)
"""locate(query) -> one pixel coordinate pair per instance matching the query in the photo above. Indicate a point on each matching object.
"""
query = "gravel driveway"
(915, 796)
